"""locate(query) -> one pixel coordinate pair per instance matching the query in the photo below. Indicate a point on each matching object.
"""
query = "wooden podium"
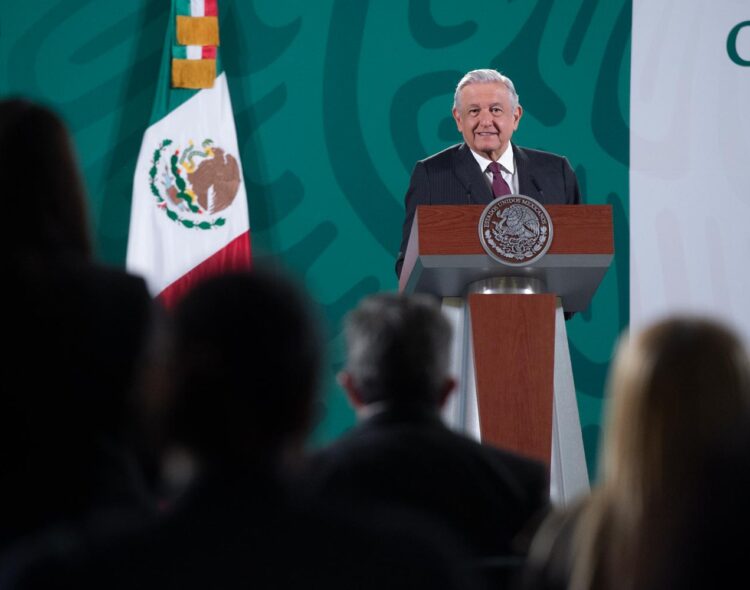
(516, 358)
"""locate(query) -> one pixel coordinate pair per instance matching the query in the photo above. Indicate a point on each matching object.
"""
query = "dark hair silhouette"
(246, 363)
(40, 178)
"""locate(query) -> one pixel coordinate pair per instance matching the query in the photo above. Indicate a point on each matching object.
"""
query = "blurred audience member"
(73, 336)
(74, 339)
(402, 454)
(680, 393)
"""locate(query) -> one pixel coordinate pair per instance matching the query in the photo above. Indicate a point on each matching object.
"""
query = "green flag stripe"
(183, 8)
(179, 51)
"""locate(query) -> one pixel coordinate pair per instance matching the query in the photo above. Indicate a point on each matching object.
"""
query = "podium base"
(568, 472)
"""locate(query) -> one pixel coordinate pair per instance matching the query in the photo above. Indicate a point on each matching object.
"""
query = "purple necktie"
(500, 188)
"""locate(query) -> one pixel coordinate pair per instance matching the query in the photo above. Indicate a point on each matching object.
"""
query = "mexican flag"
(189, 216)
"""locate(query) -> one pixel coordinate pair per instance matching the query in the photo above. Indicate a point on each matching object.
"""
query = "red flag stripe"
(235, 256)
(210, 8)
(208, 52)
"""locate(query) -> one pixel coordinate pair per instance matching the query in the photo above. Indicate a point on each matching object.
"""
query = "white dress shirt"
(507, 168)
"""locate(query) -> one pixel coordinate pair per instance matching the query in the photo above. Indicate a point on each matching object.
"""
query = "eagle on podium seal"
(515, 230)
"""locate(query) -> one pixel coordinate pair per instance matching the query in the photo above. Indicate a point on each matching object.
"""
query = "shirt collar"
(506, 161)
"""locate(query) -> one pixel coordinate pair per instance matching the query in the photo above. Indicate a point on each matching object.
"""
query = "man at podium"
(486, 165)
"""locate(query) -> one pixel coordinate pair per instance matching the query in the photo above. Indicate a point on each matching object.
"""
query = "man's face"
(486, 118)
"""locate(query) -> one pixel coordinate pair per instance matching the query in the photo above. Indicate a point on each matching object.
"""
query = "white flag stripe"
(197, 8)
(194, 51)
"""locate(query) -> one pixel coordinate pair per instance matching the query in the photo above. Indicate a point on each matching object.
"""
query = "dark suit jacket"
(453, 177)
(407, 458)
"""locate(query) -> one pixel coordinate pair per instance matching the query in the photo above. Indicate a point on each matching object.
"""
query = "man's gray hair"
(484, 77)
(398, 348)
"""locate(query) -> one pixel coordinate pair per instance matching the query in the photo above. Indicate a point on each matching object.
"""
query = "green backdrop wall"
(334, 101)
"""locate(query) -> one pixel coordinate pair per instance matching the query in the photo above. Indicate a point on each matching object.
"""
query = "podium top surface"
(444, 253)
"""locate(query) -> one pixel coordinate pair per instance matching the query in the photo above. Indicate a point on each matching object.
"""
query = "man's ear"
(457, 119)
(517, 117)
(346, 381)
(447, 388)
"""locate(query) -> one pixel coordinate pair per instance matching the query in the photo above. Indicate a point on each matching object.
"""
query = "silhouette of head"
(679, 388)
(246, 360)
(398, 351)
(680, 392)
(41, 180)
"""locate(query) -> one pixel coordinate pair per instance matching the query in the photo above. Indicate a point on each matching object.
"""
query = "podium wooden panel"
(513, 337)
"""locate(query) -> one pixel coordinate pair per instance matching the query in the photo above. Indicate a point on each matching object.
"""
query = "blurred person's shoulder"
(551, 555)
(377, 545)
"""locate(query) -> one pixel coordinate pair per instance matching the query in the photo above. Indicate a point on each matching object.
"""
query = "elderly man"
(487, 165)
(401, 454)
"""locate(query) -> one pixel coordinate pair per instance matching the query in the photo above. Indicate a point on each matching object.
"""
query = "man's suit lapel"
(527, 185)
(469, 174)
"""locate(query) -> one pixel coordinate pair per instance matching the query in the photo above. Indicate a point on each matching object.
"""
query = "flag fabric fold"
(189, 216)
